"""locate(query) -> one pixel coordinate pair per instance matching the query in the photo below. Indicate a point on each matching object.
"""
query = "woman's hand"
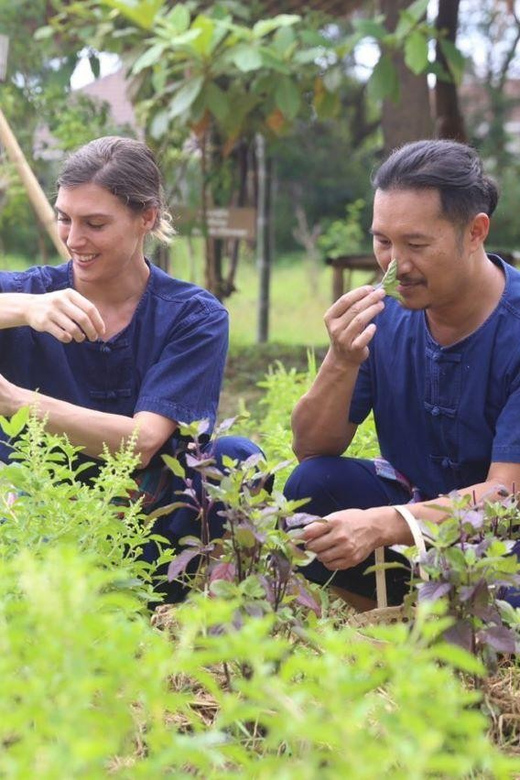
(10, 397)
(349, 323)
(66, 315)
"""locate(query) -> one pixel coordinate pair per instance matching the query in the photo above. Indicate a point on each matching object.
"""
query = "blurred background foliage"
(331, 91)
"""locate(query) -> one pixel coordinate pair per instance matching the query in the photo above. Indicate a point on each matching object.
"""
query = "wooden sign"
(238, 223)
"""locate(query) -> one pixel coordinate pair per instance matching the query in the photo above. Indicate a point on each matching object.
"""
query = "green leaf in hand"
(389, 282)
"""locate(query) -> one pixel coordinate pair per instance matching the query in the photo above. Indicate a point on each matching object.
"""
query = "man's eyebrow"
(374, 232)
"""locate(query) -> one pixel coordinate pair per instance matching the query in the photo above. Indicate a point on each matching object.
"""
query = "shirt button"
(111, 394)
(445, 463)
(105, 348)
(436, 411)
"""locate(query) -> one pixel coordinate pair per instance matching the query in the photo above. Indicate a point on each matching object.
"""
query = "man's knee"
(312, 477)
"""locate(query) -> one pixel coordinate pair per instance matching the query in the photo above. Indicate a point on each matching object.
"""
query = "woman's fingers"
(67, 316)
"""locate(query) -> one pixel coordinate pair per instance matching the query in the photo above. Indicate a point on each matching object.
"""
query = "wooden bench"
(344, 266)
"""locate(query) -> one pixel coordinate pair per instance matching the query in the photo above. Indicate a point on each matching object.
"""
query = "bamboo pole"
(32, 186)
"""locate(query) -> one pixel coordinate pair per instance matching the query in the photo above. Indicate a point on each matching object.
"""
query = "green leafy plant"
(231, 682)
(470, 563)
(256, 559)
(44, 500)
(344, 236)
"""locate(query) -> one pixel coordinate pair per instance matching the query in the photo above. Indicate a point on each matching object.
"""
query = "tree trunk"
(449, 122)
(409, 118)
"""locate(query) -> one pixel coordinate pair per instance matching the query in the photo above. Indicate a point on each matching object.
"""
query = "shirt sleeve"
(362, 401)
(506, 442)
(184, 383)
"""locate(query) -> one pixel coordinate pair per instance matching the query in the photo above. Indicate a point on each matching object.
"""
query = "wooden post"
(263, 238)
(32, 186)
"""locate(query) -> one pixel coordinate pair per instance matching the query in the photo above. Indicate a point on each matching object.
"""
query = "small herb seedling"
(389, 282)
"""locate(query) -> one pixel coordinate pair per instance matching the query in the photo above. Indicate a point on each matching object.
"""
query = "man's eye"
(96, 227)
(62, 219)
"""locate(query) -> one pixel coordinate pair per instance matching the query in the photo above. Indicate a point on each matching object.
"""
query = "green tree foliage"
(222, 75)
(36, 100)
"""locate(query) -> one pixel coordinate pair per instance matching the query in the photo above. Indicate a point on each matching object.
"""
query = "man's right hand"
(66, 315)
(349, 323)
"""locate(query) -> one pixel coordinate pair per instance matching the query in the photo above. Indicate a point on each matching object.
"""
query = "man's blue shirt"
(444, 414)
(168, 360)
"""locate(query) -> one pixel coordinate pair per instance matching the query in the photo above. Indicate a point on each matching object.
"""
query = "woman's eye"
(96, 227)
(62, 219)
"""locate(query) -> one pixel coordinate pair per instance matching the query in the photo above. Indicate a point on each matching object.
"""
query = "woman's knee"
(237, 448)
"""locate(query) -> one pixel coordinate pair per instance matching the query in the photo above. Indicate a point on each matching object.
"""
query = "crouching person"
(439, 367)
(114, 346)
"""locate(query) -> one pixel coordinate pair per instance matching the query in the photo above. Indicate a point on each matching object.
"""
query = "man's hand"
(349, 323)
(66, 315)
(346, 539)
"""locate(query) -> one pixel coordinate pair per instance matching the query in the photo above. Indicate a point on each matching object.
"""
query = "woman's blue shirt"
(168, 360)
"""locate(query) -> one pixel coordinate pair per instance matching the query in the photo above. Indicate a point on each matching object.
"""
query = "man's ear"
(478, 230)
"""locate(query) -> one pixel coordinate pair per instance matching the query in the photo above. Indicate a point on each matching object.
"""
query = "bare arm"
(65, 314)
(89, 428)
(320, 421)
(351, 535)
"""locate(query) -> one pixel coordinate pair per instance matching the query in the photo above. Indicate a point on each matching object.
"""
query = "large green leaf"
(266, 26)
(185, 97)
(141, 12)
(284, 42)
(150, 57)
(272, 61)
(203, 44)
(373, 28)
(159, 124)
(287, 97)
(416, 52)
(246, 58)
(409, 19)
(418, 9)
(309, 55)
(217, 101)
(454, 58)
(179, 18)
(384, 82)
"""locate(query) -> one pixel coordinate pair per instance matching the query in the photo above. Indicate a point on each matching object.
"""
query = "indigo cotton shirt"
(168, 360)
(444, 414)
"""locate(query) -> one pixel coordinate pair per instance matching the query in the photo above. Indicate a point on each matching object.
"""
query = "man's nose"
(404, 265)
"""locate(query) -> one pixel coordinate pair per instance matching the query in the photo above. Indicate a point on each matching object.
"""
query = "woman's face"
(104, 237)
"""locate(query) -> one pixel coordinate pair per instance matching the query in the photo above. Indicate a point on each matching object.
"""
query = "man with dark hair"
(440, 370)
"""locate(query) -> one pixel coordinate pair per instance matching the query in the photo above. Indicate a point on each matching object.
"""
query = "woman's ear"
(149, 217)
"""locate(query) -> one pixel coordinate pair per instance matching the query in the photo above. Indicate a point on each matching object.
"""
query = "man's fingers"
(352, 299)
(315, 531)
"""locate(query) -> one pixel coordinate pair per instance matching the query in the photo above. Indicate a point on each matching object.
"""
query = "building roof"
(114, 90)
